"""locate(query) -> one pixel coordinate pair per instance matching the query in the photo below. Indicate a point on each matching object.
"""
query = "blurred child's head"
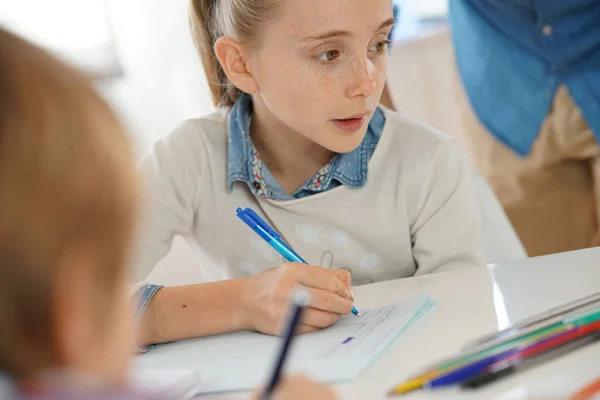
(68, 195)
(307, 63)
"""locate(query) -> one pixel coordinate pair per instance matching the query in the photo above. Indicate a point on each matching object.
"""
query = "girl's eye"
(381, 46)
(329, 55)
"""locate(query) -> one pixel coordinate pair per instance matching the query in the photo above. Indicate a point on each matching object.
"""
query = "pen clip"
(252, 219)
(259, 226)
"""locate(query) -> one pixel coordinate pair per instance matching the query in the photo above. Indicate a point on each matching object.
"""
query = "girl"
(355, 189)
(69, 194)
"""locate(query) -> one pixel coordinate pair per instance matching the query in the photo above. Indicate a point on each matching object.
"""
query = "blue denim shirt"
(513, 54)
(244, 165)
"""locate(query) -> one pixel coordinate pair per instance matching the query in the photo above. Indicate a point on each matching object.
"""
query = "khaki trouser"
(552, 196)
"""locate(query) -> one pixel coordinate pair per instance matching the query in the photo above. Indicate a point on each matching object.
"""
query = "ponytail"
(202, 19)
(241, 19)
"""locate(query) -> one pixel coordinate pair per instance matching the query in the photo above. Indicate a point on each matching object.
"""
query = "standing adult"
(531, 73)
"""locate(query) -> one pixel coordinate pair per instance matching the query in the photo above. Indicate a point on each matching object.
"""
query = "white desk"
(474, 302)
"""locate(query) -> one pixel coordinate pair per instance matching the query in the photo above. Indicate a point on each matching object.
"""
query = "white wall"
(163, 84)
(163, 80)
(424, 82)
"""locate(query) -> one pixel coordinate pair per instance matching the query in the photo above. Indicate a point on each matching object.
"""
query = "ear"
(233, 59)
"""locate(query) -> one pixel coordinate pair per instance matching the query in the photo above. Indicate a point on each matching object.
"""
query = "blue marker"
(462, 374)
(256, 223)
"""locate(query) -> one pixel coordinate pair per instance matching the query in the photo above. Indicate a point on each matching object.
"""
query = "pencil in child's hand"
(300, 300)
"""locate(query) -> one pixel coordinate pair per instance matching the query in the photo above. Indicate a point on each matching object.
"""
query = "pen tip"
(358, 314)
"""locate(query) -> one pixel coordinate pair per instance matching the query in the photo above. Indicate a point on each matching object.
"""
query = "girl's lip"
(355, 116)
(350, 124)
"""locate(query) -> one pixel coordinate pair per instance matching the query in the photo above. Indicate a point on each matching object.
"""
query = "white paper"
(243, 360)
(166, 383)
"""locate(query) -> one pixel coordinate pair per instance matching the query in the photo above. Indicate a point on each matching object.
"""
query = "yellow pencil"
(412, 385)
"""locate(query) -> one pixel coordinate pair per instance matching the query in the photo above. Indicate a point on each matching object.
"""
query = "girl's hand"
(266, 297)
(300, 388)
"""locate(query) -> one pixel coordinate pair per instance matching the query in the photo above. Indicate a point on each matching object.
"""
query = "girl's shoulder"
(414, 143)
(209, 129)
(192, 141)
(413, 133)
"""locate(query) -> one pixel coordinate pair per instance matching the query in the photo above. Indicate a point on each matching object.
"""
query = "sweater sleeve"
(171, 173)
(446, 229)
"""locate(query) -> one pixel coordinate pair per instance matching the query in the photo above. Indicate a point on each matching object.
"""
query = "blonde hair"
(67, 179)
(239, 19)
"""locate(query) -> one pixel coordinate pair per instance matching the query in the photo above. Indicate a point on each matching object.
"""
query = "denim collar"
(349, 169)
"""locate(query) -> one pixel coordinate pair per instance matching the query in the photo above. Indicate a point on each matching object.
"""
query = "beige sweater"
(416, 214)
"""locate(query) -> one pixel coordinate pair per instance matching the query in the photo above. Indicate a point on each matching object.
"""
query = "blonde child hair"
(211, 20)
(67, 182)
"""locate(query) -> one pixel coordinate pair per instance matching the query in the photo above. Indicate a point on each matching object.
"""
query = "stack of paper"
(243, 360)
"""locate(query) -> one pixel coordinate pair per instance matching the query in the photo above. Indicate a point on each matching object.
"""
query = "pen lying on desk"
(493, 349)
(456, 371)
(508, 367)
(536, 322)
(256, 223)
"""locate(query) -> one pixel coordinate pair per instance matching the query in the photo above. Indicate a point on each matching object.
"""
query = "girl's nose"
(362, 82)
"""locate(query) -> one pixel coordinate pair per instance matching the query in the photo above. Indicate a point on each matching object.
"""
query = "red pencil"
(537, 353)
(588, 392)
(547, 344)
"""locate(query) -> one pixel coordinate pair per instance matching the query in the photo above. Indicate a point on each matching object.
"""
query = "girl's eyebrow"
(341, 33)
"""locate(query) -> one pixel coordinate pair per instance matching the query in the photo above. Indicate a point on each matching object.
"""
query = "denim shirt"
(244, 166)
(513, 54)
(244, 163)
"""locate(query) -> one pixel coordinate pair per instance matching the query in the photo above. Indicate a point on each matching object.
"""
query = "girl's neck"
(291, 158)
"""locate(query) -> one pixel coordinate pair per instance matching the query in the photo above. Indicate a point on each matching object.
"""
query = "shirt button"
(256, 185)
(547, 30)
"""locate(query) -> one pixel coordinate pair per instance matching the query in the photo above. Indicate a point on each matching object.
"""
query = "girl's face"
(321, 68)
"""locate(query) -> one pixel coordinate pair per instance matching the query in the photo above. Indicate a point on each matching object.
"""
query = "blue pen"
(300, 301)
(462, 374)
(256, 223)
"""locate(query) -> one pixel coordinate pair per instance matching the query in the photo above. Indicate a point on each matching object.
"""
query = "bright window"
(78, 31)
(426, 9)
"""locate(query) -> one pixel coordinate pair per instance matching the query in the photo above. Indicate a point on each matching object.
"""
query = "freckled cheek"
(380, 76)
(313, 84)
(327, 83)
(380, 73)
(382, 66)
